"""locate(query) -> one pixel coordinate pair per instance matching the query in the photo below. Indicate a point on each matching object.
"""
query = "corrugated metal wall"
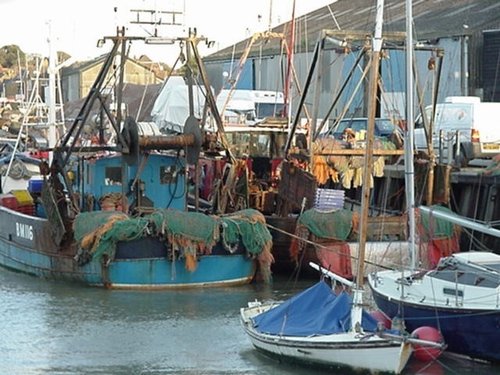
(491, 65)
(267, 74)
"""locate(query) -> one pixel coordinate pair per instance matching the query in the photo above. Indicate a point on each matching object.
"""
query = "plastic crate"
(329, 199)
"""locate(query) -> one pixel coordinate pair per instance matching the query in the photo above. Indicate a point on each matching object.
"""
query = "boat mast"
(51, 131)
(367, 172)
(408, 156)
(287, 89)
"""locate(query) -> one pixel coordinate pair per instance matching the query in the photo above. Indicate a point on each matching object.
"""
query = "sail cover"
(315, 311)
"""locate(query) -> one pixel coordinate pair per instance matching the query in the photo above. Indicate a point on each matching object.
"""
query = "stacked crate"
(25, 203)
(9, 201)
(329, 199)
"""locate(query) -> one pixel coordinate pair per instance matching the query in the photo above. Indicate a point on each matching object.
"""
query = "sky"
(76, 26)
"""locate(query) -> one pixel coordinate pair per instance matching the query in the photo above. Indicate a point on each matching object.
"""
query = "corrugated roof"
(432, 18)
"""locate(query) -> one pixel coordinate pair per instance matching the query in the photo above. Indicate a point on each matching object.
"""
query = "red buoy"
(381, 318)
(423, 352)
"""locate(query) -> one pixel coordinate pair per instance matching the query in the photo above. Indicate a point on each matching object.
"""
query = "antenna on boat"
(51, 131)
(156, 19)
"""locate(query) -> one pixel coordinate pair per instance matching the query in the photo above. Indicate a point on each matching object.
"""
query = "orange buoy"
(427, 353)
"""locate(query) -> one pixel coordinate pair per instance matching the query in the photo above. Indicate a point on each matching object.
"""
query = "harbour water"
(49, 327)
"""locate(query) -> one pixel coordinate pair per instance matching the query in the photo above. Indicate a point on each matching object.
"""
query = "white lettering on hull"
(24, 231)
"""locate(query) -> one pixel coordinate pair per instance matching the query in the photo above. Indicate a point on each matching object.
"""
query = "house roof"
(79, 66)
(433, 19)
(83, 65)
(139, 100)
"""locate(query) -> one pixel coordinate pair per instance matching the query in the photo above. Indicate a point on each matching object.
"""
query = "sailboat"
(460, 296)
(320, 327)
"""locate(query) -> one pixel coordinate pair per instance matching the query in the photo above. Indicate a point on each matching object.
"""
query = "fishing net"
(89, 227)
(122, 230)
(336, 225)
(249, 227)
(336, 256)
(440, 238)
(99, 231)
(193, 232)
(189, 233)
(431, 227)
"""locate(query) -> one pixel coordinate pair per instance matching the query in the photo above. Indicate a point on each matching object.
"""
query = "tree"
(11, 55)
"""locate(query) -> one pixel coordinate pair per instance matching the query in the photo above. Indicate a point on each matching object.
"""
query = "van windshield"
(450, 114)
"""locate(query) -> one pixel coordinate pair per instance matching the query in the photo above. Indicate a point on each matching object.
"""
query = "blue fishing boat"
(113, 212)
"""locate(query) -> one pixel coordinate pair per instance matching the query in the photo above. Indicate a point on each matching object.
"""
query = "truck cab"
(464, 128)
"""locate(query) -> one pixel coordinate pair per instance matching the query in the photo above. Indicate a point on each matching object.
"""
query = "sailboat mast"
(52, 135)
(370, 134)
(408, 158)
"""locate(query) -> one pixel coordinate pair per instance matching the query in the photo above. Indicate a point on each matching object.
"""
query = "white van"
(464, 128)
(249, 106)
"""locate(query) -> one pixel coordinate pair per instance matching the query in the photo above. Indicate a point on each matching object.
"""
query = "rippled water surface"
(48, 327)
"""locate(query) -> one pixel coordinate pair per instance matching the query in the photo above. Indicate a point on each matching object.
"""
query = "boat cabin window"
(465, 275)
(250, 144)
(256, 144)
(113, 176)
(453, 292)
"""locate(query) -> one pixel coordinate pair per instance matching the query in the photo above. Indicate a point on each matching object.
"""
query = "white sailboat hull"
(349, 349)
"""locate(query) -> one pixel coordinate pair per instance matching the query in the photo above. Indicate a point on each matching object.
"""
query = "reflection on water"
(49, 327)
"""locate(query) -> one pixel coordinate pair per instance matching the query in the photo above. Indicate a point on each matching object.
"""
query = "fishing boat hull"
(350, 349)
(27, 246)
(458, 298)
(282, 228)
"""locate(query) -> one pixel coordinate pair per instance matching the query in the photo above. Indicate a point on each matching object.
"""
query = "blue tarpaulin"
(315, 311)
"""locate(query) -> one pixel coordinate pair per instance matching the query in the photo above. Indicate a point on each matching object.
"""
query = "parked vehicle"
(249, 107)
(464, 128)
(384, 128)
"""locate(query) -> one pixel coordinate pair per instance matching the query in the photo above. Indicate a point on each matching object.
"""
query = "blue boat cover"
(315, 311)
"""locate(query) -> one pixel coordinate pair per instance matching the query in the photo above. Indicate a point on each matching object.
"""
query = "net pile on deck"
(333, 226)
(189, 234)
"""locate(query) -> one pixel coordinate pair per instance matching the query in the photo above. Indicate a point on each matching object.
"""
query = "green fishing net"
(336, 225)
(191, 232)
(435, 227)
(249, 226)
